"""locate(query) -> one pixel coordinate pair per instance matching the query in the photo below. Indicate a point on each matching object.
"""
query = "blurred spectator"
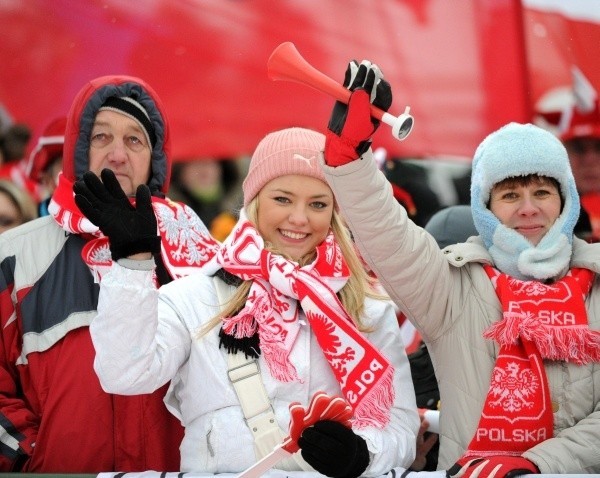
(462, 186)
(451, 225)
(45, 160)
(13, 145)
(580, 133)
(211, 187)
(16, 206)
(14, 142)
(411, 189)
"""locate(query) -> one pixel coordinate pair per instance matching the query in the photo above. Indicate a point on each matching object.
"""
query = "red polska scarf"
(540, 321)
(185, 241)
(279, 286)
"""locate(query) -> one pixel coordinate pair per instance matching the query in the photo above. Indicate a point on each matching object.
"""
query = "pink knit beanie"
(288, 151)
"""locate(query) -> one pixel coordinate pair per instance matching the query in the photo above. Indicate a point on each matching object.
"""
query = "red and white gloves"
(351, 126)
(503, 466)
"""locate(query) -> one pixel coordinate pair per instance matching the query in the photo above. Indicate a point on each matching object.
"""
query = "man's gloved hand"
(503, 466)
(351, 126)
(334, 450)
(130, 229)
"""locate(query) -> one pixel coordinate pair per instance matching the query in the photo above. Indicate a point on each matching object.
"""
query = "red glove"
(357, 129)
(351, 126)
(492, 467)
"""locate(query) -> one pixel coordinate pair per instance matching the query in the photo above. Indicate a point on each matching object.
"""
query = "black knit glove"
(334, 450)
(349, 135)
(130, 229)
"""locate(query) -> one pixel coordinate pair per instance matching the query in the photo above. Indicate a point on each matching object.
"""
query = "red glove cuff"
(355, 135)
(503, 466)
(338, 151)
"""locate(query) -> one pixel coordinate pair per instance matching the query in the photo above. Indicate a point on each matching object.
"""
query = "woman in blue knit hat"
(511, 317)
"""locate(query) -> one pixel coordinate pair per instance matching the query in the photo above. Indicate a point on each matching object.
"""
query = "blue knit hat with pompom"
(518, 150)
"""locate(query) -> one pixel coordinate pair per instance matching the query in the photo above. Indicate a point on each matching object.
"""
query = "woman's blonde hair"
(360, 284)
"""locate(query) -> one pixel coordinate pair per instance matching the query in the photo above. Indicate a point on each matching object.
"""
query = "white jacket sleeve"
(135, 351)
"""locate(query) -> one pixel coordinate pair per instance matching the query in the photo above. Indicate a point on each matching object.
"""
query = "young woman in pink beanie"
(283, 309)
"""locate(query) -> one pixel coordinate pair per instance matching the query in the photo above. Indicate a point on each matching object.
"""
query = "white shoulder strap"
(244, 374)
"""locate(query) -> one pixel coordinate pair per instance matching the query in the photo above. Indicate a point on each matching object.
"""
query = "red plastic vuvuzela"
(286, 63)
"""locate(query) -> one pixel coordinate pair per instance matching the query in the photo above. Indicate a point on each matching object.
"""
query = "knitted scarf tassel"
(245, 324)
(241, 325)
(374, 410)
(576, 344)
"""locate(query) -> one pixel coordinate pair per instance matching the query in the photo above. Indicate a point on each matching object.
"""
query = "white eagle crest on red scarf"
(513, 388)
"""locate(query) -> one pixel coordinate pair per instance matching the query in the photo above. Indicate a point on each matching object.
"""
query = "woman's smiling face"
(294, 214)
(529, 208)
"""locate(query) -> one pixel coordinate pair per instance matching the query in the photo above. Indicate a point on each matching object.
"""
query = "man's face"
(584, 155)
(118, 143)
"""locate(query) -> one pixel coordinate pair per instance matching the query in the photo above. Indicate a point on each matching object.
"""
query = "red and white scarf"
(186, 244)
(540, 321)
(279, 287)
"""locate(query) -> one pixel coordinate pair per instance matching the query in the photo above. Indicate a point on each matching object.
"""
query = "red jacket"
(54, 415)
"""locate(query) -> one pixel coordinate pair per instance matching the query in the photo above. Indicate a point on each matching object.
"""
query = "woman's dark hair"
(531, 179)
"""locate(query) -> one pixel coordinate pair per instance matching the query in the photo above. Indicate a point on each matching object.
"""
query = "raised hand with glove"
(334, 450)
(502, 466)
(131, 229)
(351, 126)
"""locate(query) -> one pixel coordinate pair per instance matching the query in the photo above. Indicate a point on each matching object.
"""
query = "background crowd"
(212, 186)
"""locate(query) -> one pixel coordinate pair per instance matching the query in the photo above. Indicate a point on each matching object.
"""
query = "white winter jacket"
(449, 298)
(144, 338)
